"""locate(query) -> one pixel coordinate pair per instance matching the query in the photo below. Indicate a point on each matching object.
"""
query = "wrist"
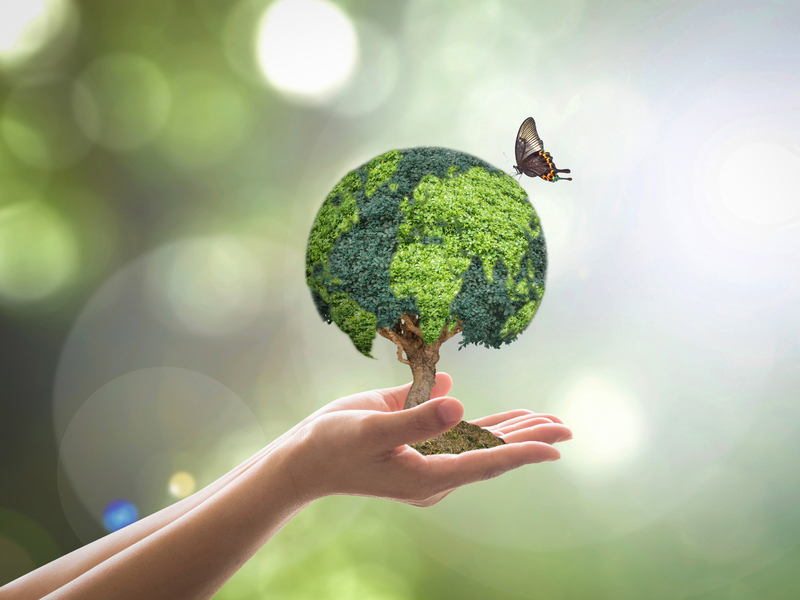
(304, 467)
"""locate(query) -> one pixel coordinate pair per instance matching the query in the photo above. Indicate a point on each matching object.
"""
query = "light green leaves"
(449, 221)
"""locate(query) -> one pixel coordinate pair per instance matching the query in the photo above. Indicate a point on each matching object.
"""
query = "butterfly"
(532, 160)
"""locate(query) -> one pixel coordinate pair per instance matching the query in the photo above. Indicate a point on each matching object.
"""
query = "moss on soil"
(461, 438)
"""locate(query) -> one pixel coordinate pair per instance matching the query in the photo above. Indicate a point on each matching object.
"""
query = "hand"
(357, 446)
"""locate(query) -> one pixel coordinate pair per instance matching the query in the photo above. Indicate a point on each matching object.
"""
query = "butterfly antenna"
(509, 160)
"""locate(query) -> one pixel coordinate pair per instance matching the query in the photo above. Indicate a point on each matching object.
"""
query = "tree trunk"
(423, 370)
(421, 357)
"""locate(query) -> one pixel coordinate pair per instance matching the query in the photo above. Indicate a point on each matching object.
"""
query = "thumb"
(422, 422)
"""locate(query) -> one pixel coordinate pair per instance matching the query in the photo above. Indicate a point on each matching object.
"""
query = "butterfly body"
(532, 160)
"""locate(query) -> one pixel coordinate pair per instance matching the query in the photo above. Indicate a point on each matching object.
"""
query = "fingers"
(389, 430)
(514, 424)
(442, 387)
(511, 416)
(549, 433)
(505, 428)
(446, 471)
(487, 422)
(396, 396)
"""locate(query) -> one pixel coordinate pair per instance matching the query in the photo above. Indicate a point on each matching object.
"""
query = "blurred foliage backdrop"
(161, 162)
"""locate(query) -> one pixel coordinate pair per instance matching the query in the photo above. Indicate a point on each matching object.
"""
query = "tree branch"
(446, 334)
(391, 335)
(400, 356)
(408, 322)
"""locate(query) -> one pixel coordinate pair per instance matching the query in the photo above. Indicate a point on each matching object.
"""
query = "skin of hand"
(357, 446)
(61, 571)
(354, 446)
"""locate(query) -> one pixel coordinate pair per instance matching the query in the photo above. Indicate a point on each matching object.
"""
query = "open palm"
(359, 446)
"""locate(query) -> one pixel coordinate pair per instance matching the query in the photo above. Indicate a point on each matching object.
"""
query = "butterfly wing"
(532, 160)
(536, 165)
(528, 141)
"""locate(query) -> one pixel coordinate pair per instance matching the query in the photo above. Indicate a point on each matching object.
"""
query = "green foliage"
(337, 215)
(432, 232)
(380, 170)
(519, 320)
(358, 324)
(493, 309)
(450, 221)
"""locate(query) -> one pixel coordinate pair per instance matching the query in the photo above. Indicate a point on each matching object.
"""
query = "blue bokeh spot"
(119, 514)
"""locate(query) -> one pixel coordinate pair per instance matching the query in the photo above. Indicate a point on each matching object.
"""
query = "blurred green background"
(161, 163)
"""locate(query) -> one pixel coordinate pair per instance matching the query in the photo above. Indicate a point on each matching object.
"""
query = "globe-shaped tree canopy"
(434, 235)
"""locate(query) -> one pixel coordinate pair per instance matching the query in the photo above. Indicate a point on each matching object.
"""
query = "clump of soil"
(461, 438)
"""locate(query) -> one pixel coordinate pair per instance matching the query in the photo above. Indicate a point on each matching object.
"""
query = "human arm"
(349, 446)
(53, 575)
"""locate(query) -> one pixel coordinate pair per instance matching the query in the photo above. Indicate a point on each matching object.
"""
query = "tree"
(419, 245)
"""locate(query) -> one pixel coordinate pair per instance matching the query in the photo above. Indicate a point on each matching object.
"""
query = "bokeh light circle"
(306, 48)
(38, 126)
(118, 514)
(182, 484)
(121, 101)
(119, 330)
(211, 286)
(126, 324)
(606, 422)
(128, 437)
(764, 198)
(39, 252)
(209, 121)
(28, 26)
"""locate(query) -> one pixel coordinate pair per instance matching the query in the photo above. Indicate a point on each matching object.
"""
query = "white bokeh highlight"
(606, 421)
(766, 196)
(307, 49)
(28, 26)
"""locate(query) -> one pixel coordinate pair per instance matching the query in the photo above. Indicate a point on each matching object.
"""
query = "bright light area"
(757, 185)
(306, 48)
(182, 484)
(605, 420)
(39, 252)
(27, 25)
(211, 286)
